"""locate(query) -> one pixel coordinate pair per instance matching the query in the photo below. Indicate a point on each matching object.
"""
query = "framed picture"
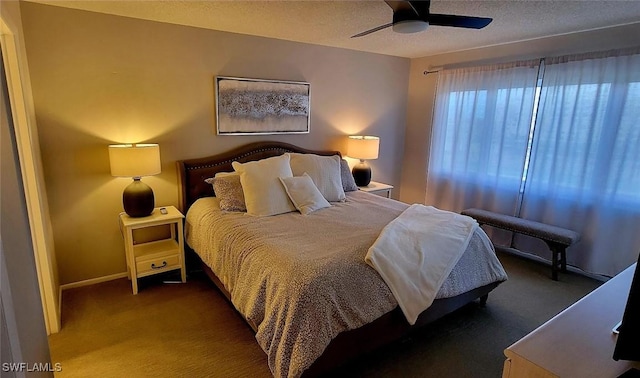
(256, 106)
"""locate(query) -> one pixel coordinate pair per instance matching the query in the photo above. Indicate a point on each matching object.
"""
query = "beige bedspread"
(301, 280)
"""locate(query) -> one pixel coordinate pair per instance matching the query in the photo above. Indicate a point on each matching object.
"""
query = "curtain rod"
(554, 58)
(433, 70)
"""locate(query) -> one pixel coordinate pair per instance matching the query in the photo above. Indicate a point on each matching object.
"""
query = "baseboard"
(539, 259)
(93, 281)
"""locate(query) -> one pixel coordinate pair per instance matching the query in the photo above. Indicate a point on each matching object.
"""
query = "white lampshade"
(363, 147)
(134, 160)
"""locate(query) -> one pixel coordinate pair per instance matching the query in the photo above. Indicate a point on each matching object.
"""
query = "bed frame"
(347, 345)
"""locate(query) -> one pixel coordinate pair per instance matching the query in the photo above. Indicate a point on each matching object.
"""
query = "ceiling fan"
(414, 16)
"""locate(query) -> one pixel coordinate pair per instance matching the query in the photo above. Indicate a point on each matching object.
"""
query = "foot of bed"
(483, 300)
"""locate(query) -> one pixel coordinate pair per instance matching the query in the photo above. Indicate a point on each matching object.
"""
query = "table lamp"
(136, 160)
(363, 148)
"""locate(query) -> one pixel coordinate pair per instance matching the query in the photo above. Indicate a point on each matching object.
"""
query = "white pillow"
(304, 194)
(324, 171)
(263, 192)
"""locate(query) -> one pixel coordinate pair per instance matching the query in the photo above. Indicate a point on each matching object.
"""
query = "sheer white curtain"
(479, 138)
(585, 160)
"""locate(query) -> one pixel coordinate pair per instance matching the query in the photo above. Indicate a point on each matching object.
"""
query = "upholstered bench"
(557, 238)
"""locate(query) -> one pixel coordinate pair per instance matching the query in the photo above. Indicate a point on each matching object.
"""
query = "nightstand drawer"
(158, 264)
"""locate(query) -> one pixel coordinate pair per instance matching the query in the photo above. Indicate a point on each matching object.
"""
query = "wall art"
(257, 106)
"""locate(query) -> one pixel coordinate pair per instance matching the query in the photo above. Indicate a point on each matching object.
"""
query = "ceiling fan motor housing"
(407, 21)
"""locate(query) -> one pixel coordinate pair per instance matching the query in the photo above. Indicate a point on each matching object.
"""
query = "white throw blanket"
(415, 253)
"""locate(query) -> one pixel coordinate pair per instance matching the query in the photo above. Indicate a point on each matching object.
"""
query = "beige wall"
(422, 88)
(101, 79)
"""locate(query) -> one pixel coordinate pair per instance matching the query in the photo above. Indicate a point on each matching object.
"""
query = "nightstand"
(148, 258)
(377, 188)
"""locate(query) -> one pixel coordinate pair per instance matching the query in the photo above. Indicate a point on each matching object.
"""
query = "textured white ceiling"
(331, 23)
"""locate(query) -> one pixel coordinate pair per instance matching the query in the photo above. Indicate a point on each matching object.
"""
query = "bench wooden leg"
(558, 258)
(483, 300)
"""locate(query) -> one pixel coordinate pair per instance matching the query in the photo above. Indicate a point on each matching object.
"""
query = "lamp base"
(361, 173)
(137, 199)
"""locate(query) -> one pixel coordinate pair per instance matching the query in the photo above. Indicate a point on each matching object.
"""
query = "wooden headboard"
(193, 172)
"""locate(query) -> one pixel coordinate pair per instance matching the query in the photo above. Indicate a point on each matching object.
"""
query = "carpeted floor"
(174, 330)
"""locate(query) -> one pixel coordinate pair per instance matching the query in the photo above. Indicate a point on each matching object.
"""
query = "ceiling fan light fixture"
(410, 26)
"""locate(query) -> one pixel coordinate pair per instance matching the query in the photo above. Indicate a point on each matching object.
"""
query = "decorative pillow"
(304, 194)
(348, 183)
(323, 170)
(264, 195)
(228, 190)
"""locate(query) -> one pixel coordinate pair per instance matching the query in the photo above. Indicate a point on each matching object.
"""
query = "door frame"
(33, 180)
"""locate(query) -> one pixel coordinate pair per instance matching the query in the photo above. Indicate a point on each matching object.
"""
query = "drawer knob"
(153, 265)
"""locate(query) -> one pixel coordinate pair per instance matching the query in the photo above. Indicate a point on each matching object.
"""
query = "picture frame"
(258, 107)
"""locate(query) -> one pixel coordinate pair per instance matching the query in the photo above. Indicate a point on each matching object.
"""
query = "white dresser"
(578, 342)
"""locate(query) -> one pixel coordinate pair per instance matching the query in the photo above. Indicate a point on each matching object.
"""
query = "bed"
(300, 281)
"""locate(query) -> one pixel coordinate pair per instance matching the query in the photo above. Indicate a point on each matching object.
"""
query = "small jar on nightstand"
(148, 258)
(377, 188)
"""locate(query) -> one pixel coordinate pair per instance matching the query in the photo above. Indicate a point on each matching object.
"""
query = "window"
(481, 131)
(562, 148)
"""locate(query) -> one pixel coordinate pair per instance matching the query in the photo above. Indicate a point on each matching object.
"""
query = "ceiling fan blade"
(401, 5)
(372, 30)
(459, 21)
(421, 8)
